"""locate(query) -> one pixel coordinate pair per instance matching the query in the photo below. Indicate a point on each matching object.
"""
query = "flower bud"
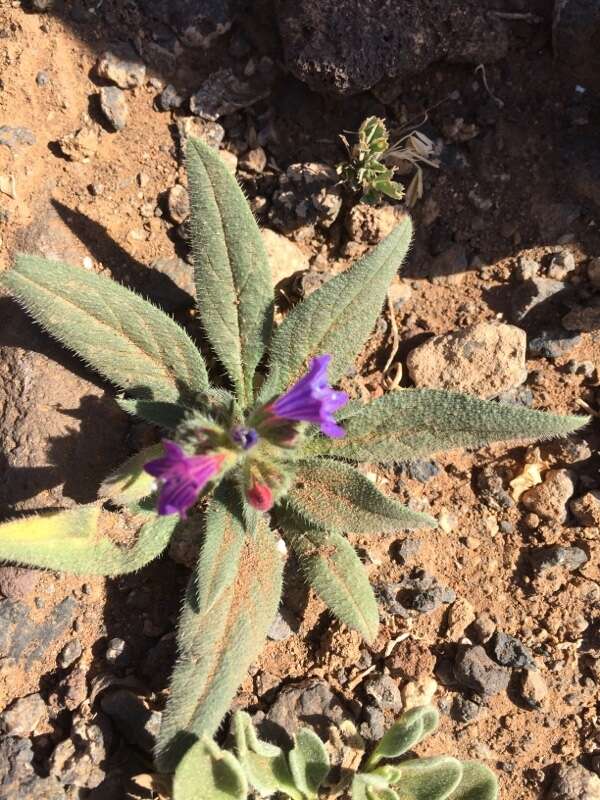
(259, 496)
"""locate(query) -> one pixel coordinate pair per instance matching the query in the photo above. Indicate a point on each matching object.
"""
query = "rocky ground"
(496, 614)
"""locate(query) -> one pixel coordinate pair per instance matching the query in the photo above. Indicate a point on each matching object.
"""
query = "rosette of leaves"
(365, 170)
(226, 435)
(305, 773)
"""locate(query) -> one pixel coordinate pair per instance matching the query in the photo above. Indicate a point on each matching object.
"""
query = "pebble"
(114, 106)
(373, 725)
(464, 710)
(510, 652)
(81, 145)
(17, 583)
(121, 67)
(422, 470)
(285, 257)
(549, 499)
(224, 93)
(574, 782)
(73, 689)
(419, 692)
(116, 652)
(586, 509)
(254, 160)
(23, 716)
(553, 344)
(69, 654)
(585, 320)
(42, 78)
(135, 721)
(474, 669)
(406, 550)
(532, 293)
(309, 701)
(527, 268)
(485, 359)
(419, 593)
(169, 99)
(211, 133)
(384, 692)
(14, 137)
(308, 194)
(533, 689)
(18, 778)
(370, 224)
(561, 265)
(178, 203)
(461, 614)
(571, 558)
(280, 629)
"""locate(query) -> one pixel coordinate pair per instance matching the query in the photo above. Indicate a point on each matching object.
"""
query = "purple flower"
(245, 437)
(183, 477)
(312, 399)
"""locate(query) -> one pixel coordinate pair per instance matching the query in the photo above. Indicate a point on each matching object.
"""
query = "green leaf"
(130, 482)
(233, 279)
(117, 333)
(477, 783)
(68, 541)
(264, 764)
(166, 415)
(210, 773)
(332, 567)
(371, 787)
(406, 733)
(230, 603)
(429, 778)
(309, 762)
(332, 495)
(338, 317)
(409, 423)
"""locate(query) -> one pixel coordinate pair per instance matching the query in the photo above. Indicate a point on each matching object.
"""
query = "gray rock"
(308, 195)
(552, 344)
(576, 30)
(533, 689)
(348, 46)
(571, 558)
(13, 137)
(73, 689)
(211, 133)
(464, 710)
(421, 469)
(372, 727)
(116, 652)
(574, 782)
(178, 203)
(510, 652)
(170, 283)
(137, 723)
(532, 293)
(169, 99)
(69, 654)
(121, 66)
(23, 716)
(419, 593)
(384, 692)
(585, 319)
(561, 265)
(18, 779)
(407, 549)
(490, 488)
(308, 703)
(42, 5)
(42, 78)
(26, 640)
(279, 630)
(114, 106)
(200, 22)
(224, 93)
(475, 670)
(17, 583)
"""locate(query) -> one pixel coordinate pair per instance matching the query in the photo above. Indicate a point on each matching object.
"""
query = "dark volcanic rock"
(348, 46)
(576, 32)
(510, 652)
(308, 703)
(475, 670)
(17, 775)
(27, 641)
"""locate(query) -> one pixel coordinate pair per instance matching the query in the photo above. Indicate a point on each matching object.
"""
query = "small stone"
(399, 293)
(464, 710)
(553, 344)
(121, 67)
(279, 630)
(23, 716)
(73, 689)
(17, 583)
(309, 702)
(422, 470)
(460, 615)
(114, 106)
(574, 782)
(527, 268)
(18, 778)
(254, 160)
(13, 138)
(42, 5)
(571, 558)
(475, 670)
(370, 224)
(116, 652)
(308, 194)
(485, 360)
(229, 159)
(224, 93)
(533, 689)
(169, 99)
(586, 509)
(593, 271)
(211, 133)
(178, 203)
(373, 726)
(585, 320)
(170, 282)
(533, 293)
(384, 691)
(42, 78)
(510, 652)
(82, 145)
(549, 499)
(407, 549)
(418, 693)
(285, 257)
(561, 265)
(69, 654)
(132, 717)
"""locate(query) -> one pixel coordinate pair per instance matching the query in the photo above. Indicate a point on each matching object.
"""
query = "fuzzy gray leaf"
(233, 278)
(409, 423)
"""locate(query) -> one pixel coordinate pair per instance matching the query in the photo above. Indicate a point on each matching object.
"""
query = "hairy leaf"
(429, 778)
(371, 787)
(309, 762)
(117, 333)
(210, 773)
(335, 571)
(338, 317)
(130, 483)
(229, 605)
(409, 423)
(165, 415)
(68, 541)
(265, 764)
(477, 783)
(335, 496)
(233, 279)
(406, 733)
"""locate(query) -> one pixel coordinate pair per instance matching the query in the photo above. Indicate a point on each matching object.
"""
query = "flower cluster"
(183, 477)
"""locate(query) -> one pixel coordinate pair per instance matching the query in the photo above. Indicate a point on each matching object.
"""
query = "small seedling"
(305, 772)
(279, 440)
